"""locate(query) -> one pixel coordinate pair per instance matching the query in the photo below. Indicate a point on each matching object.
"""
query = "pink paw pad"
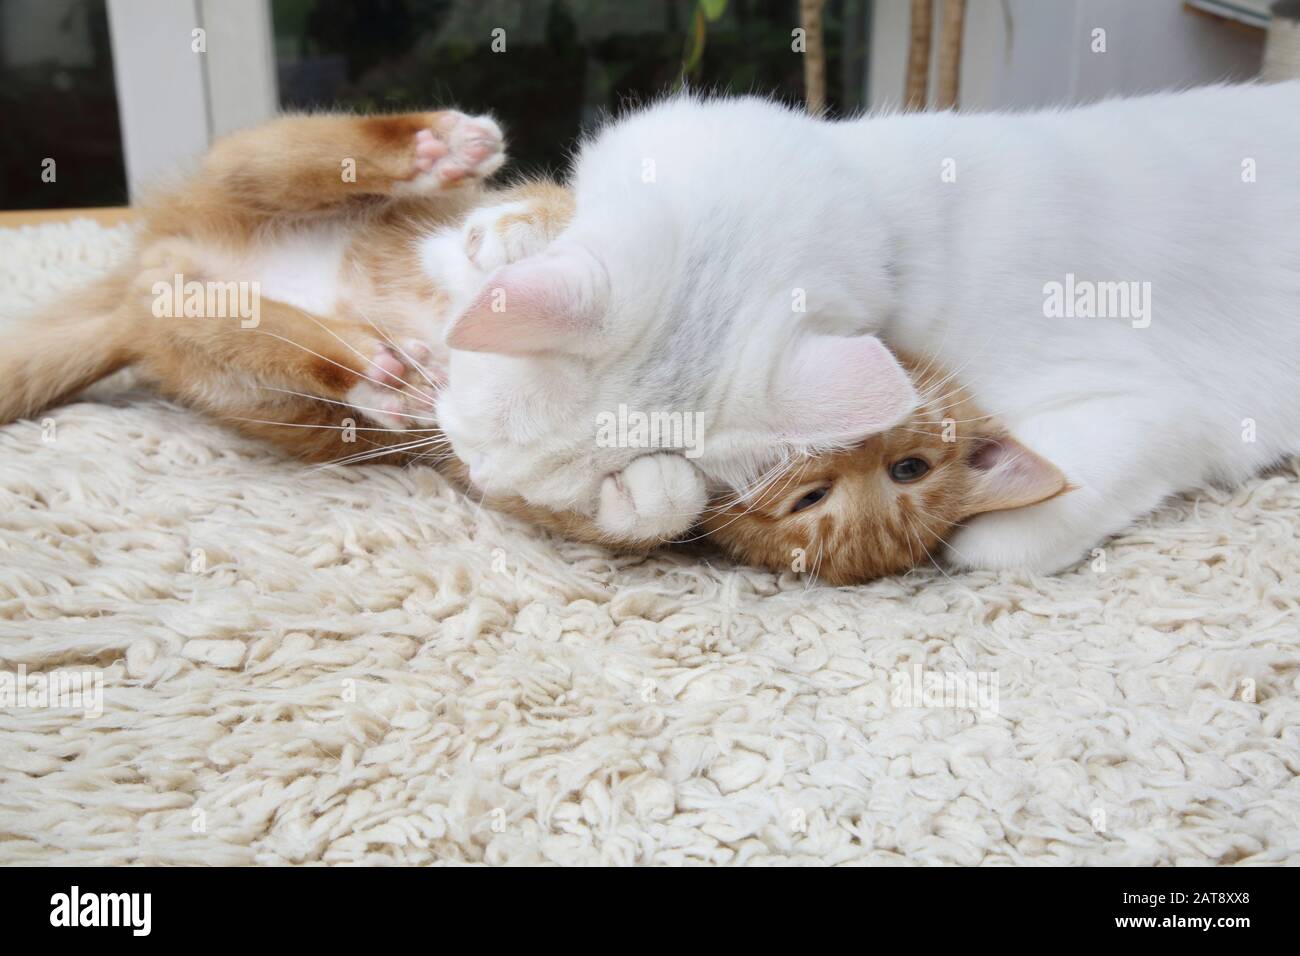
(428, 150)
(458, 147)
(432, 371)
(388, 368)
(418, 352)
(398, 387)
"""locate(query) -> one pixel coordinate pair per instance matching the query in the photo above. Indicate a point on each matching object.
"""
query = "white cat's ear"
(551, 302)
(1012, 476)
(837, 389)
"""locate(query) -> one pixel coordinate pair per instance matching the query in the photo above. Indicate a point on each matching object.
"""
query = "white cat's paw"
(455, 149)
(655, 498)
(1005, 540)
(398, 385)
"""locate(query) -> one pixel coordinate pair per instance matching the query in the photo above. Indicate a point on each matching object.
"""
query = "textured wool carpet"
(359, 666)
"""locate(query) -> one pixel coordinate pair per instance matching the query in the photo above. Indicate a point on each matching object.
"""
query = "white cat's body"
(701, 225)
(1197, 194)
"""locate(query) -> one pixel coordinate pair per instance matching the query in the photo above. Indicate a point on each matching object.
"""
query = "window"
(548, 68)
(62, 143)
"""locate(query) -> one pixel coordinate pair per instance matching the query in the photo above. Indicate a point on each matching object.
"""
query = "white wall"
(1043, 55)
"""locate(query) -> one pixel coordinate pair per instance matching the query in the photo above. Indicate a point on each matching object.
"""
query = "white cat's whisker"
(381, 448)
(907, 519)
(360, 408)
(356, 428)
(764, 480)
(940, 538)
(817, 564)
(750, 500)
(325, 358)
(406, 355)
(748, 496)
(440, 450)
(952, 374)
(379, 451)
(428, 398)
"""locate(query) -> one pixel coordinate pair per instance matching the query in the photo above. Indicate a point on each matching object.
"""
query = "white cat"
(1118, 283)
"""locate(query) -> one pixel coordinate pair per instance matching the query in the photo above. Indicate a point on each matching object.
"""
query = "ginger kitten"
(346, 234)
(890, 503)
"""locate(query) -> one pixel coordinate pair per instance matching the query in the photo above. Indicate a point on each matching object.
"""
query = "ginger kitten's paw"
(498, 235)
(455, 149)
(655, 498)
(399, 386)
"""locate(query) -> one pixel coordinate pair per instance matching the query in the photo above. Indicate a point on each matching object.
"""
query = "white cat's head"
(699, 301)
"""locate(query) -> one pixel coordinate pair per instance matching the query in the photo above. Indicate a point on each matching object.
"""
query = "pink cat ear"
(550, 302)
(839, 390)
(1012, 476)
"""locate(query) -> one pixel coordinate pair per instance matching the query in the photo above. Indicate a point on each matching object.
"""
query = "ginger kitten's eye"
(909, 469)
(811, 498)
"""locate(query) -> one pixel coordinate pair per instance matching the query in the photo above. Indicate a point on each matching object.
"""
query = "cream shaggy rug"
(361, 667)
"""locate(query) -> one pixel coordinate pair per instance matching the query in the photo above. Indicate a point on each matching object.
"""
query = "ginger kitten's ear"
(839, 390)
(549, 302)
(1011, 476)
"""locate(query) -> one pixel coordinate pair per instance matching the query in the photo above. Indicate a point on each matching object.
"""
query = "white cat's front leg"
(1053, 535)
(1115, 453)
(1033, 538)
(655, 498)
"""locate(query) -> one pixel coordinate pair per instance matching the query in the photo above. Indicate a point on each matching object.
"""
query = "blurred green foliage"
(565, 63)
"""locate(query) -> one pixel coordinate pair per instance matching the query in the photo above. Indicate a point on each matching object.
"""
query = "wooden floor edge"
(105, 216)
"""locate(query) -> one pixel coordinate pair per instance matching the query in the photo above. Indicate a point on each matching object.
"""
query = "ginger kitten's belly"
(333, 272)
(302, 268)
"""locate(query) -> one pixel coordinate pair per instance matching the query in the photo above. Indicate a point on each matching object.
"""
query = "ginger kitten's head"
(888, 504)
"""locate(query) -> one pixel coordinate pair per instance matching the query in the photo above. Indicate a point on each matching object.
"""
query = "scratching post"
(918, 56)
(948, 80)
(814, 56)
(950, 37)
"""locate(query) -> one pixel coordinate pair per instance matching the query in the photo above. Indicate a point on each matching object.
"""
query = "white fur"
(458, 259)
(750, 202)
(297, 267)
(487, 245)
(658, 495)
(443, 259)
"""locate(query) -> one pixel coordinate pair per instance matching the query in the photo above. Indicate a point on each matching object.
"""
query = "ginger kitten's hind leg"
(306, 383)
